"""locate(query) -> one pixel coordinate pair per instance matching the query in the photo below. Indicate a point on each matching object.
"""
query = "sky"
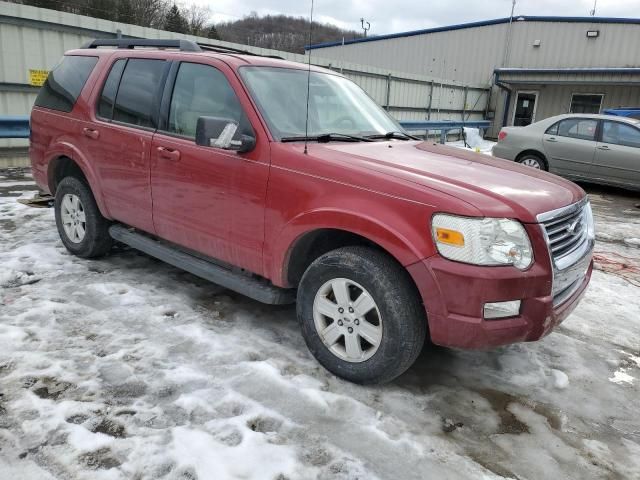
(402, 15)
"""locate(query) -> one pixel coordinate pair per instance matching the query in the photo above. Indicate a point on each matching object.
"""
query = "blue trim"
(15, 126)
(569, 71)
(484, 23)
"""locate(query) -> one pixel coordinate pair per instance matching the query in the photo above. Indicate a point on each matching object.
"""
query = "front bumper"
(454, 295)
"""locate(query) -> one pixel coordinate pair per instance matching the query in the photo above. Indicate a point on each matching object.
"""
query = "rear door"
(570, 146)
(208, 199)
(118, 140)
(618, 154)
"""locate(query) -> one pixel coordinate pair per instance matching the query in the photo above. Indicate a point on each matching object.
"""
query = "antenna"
(367, 28)
(593, 12)
(306, 120)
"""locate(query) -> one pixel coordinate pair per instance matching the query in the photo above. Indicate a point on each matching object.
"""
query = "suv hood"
(498, 188)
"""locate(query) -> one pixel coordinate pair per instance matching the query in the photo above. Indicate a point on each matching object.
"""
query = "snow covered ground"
(127, 368)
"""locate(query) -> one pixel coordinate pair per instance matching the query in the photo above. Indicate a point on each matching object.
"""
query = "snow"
(124, 367)
(474, 142)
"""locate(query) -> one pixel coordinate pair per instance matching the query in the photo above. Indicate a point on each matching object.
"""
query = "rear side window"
(65, 82)
(136, 100)
(580, 128)
(108, 96)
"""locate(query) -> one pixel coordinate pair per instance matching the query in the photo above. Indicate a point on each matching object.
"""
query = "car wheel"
(82, 228)
(533, 161)
(361, 315)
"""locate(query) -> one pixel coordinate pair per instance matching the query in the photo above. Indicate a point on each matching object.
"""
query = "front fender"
(401, 239)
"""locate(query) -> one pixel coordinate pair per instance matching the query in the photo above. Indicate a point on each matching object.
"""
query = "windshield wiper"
(392, 135)
(328, 137)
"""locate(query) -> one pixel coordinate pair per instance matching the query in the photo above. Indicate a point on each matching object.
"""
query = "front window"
(336, 105)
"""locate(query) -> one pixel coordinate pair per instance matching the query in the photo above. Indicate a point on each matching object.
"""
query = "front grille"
(566, 233)
(570, 239)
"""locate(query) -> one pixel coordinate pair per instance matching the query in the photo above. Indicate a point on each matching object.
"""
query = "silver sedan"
(596, 148)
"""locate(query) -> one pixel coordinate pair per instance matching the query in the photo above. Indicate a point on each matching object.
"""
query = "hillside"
(280, 32)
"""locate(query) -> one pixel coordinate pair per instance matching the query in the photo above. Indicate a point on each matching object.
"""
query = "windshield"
(336, 105)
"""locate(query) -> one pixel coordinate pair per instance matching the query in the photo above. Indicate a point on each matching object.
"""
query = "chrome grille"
(566, 234)
(570, 239)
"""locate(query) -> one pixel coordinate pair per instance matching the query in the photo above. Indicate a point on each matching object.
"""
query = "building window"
(586, 103)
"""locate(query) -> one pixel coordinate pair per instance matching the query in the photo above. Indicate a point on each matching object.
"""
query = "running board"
(260, 290)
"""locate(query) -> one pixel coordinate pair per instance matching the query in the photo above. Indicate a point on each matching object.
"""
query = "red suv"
(290, 184)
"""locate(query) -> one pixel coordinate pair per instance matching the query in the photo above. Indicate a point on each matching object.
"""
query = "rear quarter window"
(65, 82)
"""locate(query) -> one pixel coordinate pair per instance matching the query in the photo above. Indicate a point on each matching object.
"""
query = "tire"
(74, 203)
(398, 317)
(534, 161)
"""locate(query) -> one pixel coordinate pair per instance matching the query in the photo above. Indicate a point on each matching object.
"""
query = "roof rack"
(182, 45)
(222, 49)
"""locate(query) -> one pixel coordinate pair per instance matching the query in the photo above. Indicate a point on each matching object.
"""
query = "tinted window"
(581, 128)
(201, 90)
(620, 134)
(139, 89)
(65, 82)
(108, 96)
(586, 103)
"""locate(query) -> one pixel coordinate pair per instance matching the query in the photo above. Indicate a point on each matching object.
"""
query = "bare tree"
(197, 19)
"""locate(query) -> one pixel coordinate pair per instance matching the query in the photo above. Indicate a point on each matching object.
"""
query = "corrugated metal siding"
(470, 55)
(28, 43)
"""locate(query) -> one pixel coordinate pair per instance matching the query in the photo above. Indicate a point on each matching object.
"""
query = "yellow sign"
(37, 77)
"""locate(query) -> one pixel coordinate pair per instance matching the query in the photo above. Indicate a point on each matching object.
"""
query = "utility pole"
(367, 28)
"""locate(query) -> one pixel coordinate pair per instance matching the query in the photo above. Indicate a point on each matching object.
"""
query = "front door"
(525, 109)
(618, 154)
(570, 146)
(204, 198)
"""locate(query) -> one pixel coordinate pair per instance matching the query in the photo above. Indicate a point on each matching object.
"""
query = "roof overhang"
(484, 23)
(568, 76)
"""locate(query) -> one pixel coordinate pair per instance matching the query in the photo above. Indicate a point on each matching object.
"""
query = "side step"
(260, 290)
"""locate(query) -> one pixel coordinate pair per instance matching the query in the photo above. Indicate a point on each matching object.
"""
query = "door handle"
(552, 140)
(603, 147)
(91, 133)
(169, 153)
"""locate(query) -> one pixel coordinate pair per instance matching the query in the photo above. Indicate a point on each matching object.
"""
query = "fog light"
(501, 309)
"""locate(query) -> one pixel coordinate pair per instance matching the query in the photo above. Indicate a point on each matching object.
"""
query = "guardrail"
(444, 126)
(16, 126)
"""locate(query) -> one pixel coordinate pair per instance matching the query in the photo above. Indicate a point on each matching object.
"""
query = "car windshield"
(336, 105)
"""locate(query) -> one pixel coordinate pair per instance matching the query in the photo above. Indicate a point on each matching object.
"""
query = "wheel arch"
(304, 240)
(63, 166)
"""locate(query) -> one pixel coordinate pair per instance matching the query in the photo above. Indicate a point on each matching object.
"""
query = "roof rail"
(182, 45)
(222, 49)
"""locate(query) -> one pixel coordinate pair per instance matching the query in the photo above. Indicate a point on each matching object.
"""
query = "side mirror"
(222, 133)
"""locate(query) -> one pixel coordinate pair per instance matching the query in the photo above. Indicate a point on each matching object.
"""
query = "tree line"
(279, 32)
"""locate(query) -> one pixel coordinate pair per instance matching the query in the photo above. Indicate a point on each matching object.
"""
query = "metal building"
(32, 40)
(537, 66)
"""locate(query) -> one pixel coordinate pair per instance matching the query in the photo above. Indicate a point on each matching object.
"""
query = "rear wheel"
(533, 161)
(361, 315)
(82, 228)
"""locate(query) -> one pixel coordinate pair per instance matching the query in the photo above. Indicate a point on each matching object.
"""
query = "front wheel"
(361, 315)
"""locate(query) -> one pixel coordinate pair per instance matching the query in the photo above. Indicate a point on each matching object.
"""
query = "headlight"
(482, 241)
